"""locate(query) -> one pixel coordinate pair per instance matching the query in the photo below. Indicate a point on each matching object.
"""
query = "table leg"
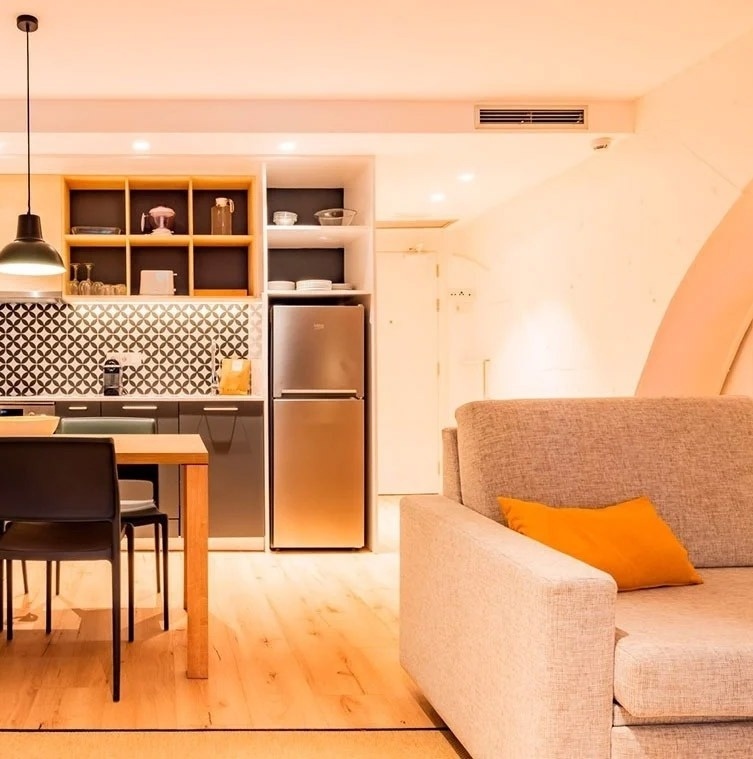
(195, 547)
(184, 532)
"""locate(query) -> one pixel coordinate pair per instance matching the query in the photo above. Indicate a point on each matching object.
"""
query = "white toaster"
(157, 282)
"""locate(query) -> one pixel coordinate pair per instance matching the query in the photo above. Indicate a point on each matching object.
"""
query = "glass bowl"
(284, 218)
(331, 217)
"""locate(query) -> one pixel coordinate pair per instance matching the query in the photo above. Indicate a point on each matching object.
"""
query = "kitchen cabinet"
(205, 265)
(233, 432)
(77, 408)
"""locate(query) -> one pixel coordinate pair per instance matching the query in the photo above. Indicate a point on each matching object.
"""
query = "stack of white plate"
(313, 284)
(281, 284)
(342, 286)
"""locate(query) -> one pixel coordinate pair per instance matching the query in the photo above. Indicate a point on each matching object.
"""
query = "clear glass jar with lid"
(222, 216)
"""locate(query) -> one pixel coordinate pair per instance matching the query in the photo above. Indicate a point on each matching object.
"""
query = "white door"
(407, 343)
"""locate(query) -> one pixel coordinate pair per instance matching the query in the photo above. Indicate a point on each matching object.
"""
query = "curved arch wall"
(709, 315)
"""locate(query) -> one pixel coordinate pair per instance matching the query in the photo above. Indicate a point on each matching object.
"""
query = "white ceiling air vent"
(529, 117)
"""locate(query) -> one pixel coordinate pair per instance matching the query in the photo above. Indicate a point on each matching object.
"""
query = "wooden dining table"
(189, 453)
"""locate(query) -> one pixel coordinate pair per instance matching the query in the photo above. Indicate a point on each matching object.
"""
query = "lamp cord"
(28, 130)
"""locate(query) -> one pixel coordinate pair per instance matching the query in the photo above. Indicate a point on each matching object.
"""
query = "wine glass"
(85, 285)
(73, 284)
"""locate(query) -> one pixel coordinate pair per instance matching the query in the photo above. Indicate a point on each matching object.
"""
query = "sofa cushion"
(690, 456)
(628, 540)
(687, 651)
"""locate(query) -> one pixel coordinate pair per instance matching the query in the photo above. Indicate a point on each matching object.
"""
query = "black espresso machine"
(112, 377)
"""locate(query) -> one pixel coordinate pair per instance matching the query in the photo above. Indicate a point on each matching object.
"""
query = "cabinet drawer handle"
(137, 407)
(220, 408)
(317, 391)
(77, 408)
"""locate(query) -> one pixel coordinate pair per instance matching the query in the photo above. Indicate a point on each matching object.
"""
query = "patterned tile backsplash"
(60, 348)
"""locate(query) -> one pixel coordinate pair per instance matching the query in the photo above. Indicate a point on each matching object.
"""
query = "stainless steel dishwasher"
(27, 408)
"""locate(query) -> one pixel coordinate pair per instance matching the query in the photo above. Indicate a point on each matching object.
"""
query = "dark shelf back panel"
(304, 201)
(97, 208)
(203, 201)
(220, 268)
(175, 259)
(307, 263)
(109, 264)
(144, 200)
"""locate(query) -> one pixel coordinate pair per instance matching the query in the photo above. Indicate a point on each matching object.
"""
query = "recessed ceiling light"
(437, 197)
(466, 176)
(287, 146)
(140, 145)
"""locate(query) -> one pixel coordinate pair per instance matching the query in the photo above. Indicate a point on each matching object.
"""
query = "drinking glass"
(73, 284)
(85, 285)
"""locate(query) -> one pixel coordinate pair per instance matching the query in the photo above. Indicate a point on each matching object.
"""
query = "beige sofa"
(528, 653)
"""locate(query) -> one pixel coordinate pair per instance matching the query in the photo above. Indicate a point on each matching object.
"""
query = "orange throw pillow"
(628, 540)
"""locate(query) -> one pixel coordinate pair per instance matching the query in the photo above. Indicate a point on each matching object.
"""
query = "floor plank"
(299, 639)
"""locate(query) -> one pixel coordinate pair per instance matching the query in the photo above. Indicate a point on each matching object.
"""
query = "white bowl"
(280, 284)
(39, 425)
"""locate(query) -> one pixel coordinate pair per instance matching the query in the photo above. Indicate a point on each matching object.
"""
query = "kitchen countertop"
(133, 397)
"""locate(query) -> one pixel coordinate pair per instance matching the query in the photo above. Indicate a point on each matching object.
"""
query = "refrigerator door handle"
(314, 391)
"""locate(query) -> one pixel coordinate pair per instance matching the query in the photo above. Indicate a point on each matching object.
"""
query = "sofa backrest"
(693, 457)
(450, 464)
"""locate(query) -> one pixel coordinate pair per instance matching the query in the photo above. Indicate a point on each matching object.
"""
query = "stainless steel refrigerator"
(318, 427)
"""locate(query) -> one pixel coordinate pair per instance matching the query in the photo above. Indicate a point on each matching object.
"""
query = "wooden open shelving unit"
(206, 265)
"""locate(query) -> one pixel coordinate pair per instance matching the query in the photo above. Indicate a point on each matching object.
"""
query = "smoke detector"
(601, 143)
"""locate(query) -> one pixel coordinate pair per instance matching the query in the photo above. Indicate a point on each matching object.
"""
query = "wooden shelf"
(310, 236)
(224, 241)
(96, 241)
(227, 264)
(155, 298)
(155, 241)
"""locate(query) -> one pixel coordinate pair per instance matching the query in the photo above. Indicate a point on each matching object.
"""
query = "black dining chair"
(59, 502)
(133, 513)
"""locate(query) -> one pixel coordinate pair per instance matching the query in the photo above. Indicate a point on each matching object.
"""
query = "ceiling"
(287, 50)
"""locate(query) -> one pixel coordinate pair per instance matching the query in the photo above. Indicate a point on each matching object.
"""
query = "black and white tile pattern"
(60, 348)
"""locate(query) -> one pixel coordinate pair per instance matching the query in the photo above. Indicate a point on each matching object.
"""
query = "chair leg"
(165, 562)
(131, 612)
(26, 578)
(57, 578)
(115, 567)
(48, 598)
(9, 590)
(2, 603)
(156, 553)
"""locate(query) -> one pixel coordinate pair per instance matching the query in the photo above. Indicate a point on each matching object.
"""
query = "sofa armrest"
(511, 641)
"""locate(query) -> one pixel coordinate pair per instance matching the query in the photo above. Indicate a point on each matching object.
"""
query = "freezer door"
(317, 349)
(318, 481)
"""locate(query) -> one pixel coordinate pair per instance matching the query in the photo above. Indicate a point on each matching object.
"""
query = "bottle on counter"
(222, 216)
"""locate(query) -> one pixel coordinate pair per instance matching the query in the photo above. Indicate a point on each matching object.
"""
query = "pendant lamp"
(29, 254)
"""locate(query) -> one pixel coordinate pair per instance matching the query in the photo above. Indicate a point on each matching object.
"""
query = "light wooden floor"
(297, 640)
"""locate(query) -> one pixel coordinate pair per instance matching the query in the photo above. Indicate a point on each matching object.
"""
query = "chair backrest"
(107, 425)
(53, 479)
(119, 425)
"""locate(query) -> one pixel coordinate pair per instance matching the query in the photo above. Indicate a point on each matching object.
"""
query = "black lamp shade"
(29, 254)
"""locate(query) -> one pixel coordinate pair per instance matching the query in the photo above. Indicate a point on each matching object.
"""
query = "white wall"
(573, 277)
